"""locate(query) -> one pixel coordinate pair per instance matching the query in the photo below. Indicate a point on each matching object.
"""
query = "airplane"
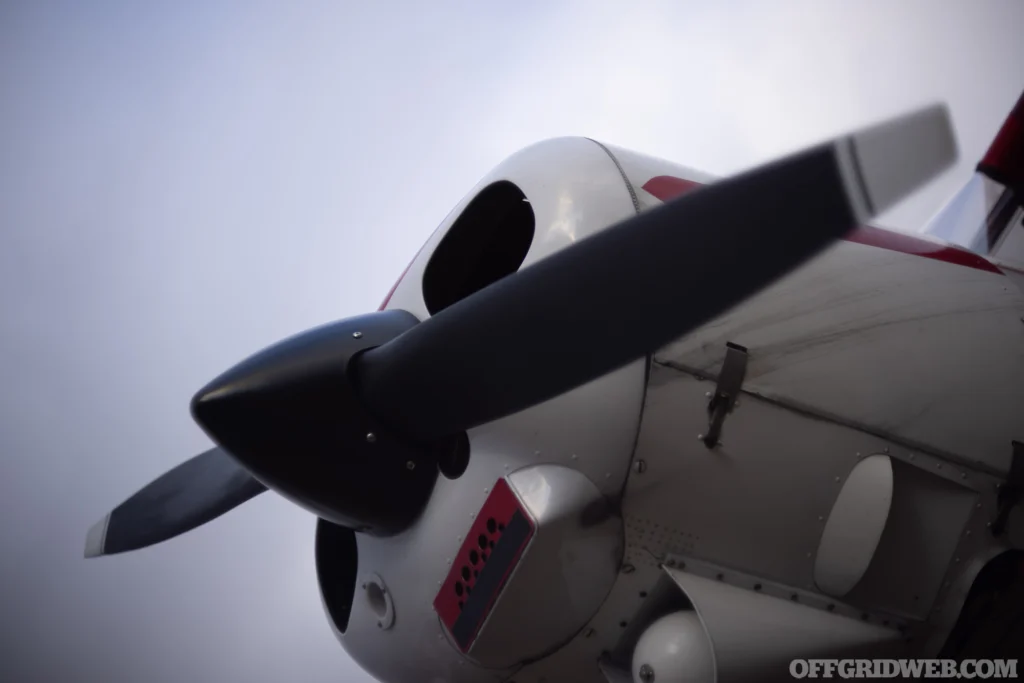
(619, 420)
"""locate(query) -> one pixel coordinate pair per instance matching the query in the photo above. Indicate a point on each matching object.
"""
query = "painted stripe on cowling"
(500, 564)
(669, 187)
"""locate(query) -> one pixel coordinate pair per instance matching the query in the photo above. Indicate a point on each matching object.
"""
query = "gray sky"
(183, 183)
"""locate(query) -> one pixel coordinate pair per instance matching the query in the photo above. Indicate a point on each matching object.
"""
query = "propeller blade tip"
(96, 538)
(892, 159)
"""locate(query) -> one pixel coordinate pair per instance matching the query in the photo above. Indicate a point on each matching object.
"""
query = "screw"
(646, 673)
(640, 466)
(371, 437)
(357, 335)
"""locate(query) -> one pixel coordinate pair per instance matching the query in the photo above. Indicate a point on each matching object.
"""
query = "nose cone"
(290, 416)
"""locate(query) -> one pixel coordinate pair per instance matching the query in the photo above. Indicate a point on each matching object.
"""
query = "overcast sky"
(183, 183)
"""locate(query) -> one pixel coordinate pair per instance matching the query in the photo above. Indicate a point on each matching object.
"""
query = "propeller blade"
(628, 290)
(193, 493)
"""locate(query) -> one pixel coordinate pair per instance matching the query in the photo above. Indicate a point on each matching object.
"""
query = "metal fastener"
(646, 673)
(357, 335)
(371, 437)
(640, 466)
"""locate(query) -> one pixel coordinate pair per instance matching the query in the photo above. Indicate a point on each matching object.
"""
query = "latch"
(727, 391)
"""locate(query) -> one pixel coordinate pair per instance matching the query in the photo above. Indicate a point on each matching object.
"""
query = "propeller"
(188, 496)
(350, 419)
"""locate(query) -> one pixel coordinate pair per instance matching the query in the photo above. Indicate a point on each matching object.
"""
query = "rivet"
(821, 518)
(837, 478)
(886, 450)
(371, 437)
(640, 466)
(978, 506)
(574, 456)
(859, 455)
(646, 673)
(808, 554)
(607, 475)
(912, 456)
(410, 465)
(938, 465)
(357, 335)
(963, 475)
(707, 394)
(956, 559)
(700, 437)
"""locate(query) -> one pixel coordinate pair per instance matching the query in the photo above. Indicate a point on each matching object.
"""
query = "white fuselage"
(884, 345)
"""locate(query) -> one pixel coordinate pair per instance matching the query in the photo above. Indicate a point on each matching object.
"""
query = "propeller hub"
(291, 415)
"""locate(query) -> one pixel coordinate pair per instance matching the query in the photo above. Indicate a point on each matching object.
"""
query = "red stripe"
(668, 187)
(1004, 160)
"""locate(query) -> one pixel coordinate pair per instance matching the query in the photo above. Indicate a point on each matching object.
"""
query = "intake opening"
(337, 563)
(484, 244)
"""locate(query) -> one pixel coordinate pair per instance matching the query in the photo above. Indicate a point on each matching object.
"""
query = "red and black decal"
(492, 549)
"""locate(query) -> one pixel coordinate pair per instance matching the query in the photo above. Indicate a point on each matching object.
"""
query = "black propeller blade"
(188, 496)
(349, 420)
(624, 292)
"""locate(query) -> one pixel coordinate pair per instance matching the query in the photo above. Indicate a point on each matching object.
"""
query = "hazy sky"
(183, 183)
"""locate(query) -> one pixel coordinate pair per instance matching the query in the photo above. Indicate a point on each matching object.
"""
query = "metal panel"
(758, 501)
(926, 521)
(893, 342)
